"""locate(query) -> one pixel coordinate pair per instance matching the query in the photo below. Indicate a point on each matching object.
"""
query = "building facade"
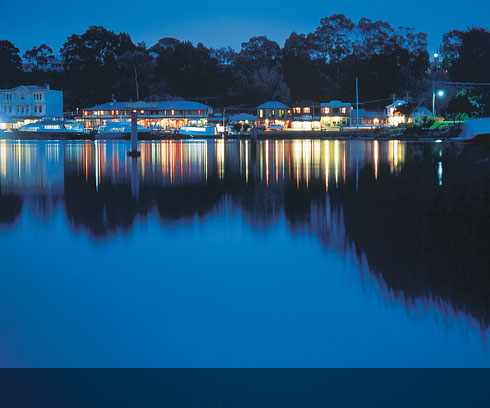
(273, 113)
(28, 103)
(335, 114)
(393, 116)
(366, 118)
(306, 116)
(165, 114)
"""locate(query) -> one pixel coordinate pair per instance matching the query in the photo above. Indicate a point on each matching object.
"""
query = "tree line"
(100, 65)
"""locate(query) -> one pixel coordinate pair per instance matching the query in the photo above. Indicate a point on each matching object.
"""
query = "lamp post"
(440, 93)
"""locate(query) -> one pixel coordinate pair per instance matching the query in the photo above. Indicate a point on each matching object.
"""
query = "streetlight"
(440, 93)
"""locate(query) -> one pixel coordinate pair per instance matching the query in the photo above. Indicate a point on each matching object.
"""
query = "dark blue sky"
(224, 23)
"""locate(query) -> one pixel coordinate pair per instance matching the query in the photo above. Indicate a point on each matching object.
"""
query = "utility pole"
(357, 104)
(433, 97)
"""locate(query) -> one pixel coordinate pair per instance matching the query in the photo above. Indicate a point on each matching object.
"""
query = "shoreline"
(402, 134)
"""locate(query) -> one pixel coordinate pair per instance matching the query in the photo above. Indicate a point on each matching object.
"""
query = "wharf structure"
(165, 114)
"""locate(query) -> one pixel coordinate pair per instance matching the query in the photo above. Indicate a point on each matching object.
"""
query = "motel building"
(273, 113)
(165, 114)
(29, 103)
(306, 116)
(335, 114)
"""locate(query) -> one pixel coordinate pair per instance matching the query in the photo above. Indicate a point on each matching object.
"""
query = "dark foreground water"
(283, 253)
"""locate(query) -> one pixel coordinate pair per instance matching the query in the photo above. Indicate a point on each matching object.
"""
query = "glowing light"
(440, 93)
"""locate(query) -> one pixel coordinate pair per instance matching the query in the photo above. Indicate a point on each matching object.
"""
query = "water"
(206, 254)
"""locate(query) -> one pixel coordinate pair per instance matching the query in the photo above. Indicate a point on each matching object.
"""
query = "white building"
(27, 103)
(393, 117)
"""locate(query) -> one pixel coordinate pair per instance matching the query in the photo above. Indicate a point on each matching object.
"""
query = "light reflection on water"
(346, 241)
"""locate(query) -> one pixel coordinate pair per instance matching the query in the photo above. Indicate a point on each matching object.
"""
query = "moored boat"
(198, 130)
(52, 129)
(119, 130)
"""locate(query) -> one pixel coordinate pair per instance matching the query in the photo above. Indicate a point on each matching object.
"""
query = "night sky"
(223, 23)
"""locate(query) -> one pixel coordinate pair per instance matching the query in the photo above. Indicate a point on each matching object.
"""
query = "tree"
(333, 39)
(136, 69)
(260, 51)
(10, 64)
(463, 106)
(91, 65)
(40, 56)
(472, 57)
(371, 37)
(270, 84)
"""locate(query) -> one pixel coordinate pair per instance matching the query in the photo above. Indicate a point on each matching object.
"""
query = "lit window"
(297, 110)
(172, 112)
(281, 113)
(326, 110)
(306, 110)
(261, 113)
(272, 113)
(344, 110)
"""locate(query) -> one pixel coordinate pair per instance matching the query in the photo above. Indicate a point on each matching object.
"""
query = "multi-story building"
(273, 113)
(306, 116)
(335, 114)
(28, 103)
(167, 114)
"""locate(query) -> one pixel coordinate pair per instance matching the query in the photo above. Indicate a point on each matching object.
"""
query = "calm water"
(283, 253)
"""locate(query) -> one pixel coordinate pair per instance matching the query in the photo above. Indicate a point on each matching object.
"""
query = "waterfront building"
(367, 118)
(393, 116)
(335, 114)
(306, 116)
(273, 113)
(29, 103)
(165, 114)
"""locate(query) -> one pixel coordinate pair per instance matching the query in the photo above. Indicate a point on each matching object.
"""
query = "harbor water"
(281, 253)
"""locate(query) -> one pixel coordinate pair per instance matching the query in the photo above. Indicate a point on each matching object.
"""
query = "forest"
(100, 65)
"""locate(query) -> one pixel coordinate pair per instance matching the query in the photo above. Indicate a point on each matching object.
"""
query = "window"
(326, 111)
(344, 110)
(306, 110)
(172, 112)
(261, 113)
(336, 110)
(297, 110)
(40, 109)
(35, 108)
(272, 113)
(281, 113)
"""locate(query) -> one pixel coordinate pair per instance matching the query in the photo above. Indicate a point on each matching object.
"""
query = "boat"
(119, 130)
(52, 129)
(198, 130)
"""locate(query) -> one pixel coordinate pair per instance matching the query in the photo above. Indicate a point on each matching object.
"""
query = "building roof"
(336, 104)
(397, 103)
(272, 105)
(163, 105)
(242, 117)
(421, 111)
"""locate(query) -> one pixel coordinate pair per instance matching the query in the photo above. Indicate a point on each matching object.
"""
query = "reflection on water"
(412, 218)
